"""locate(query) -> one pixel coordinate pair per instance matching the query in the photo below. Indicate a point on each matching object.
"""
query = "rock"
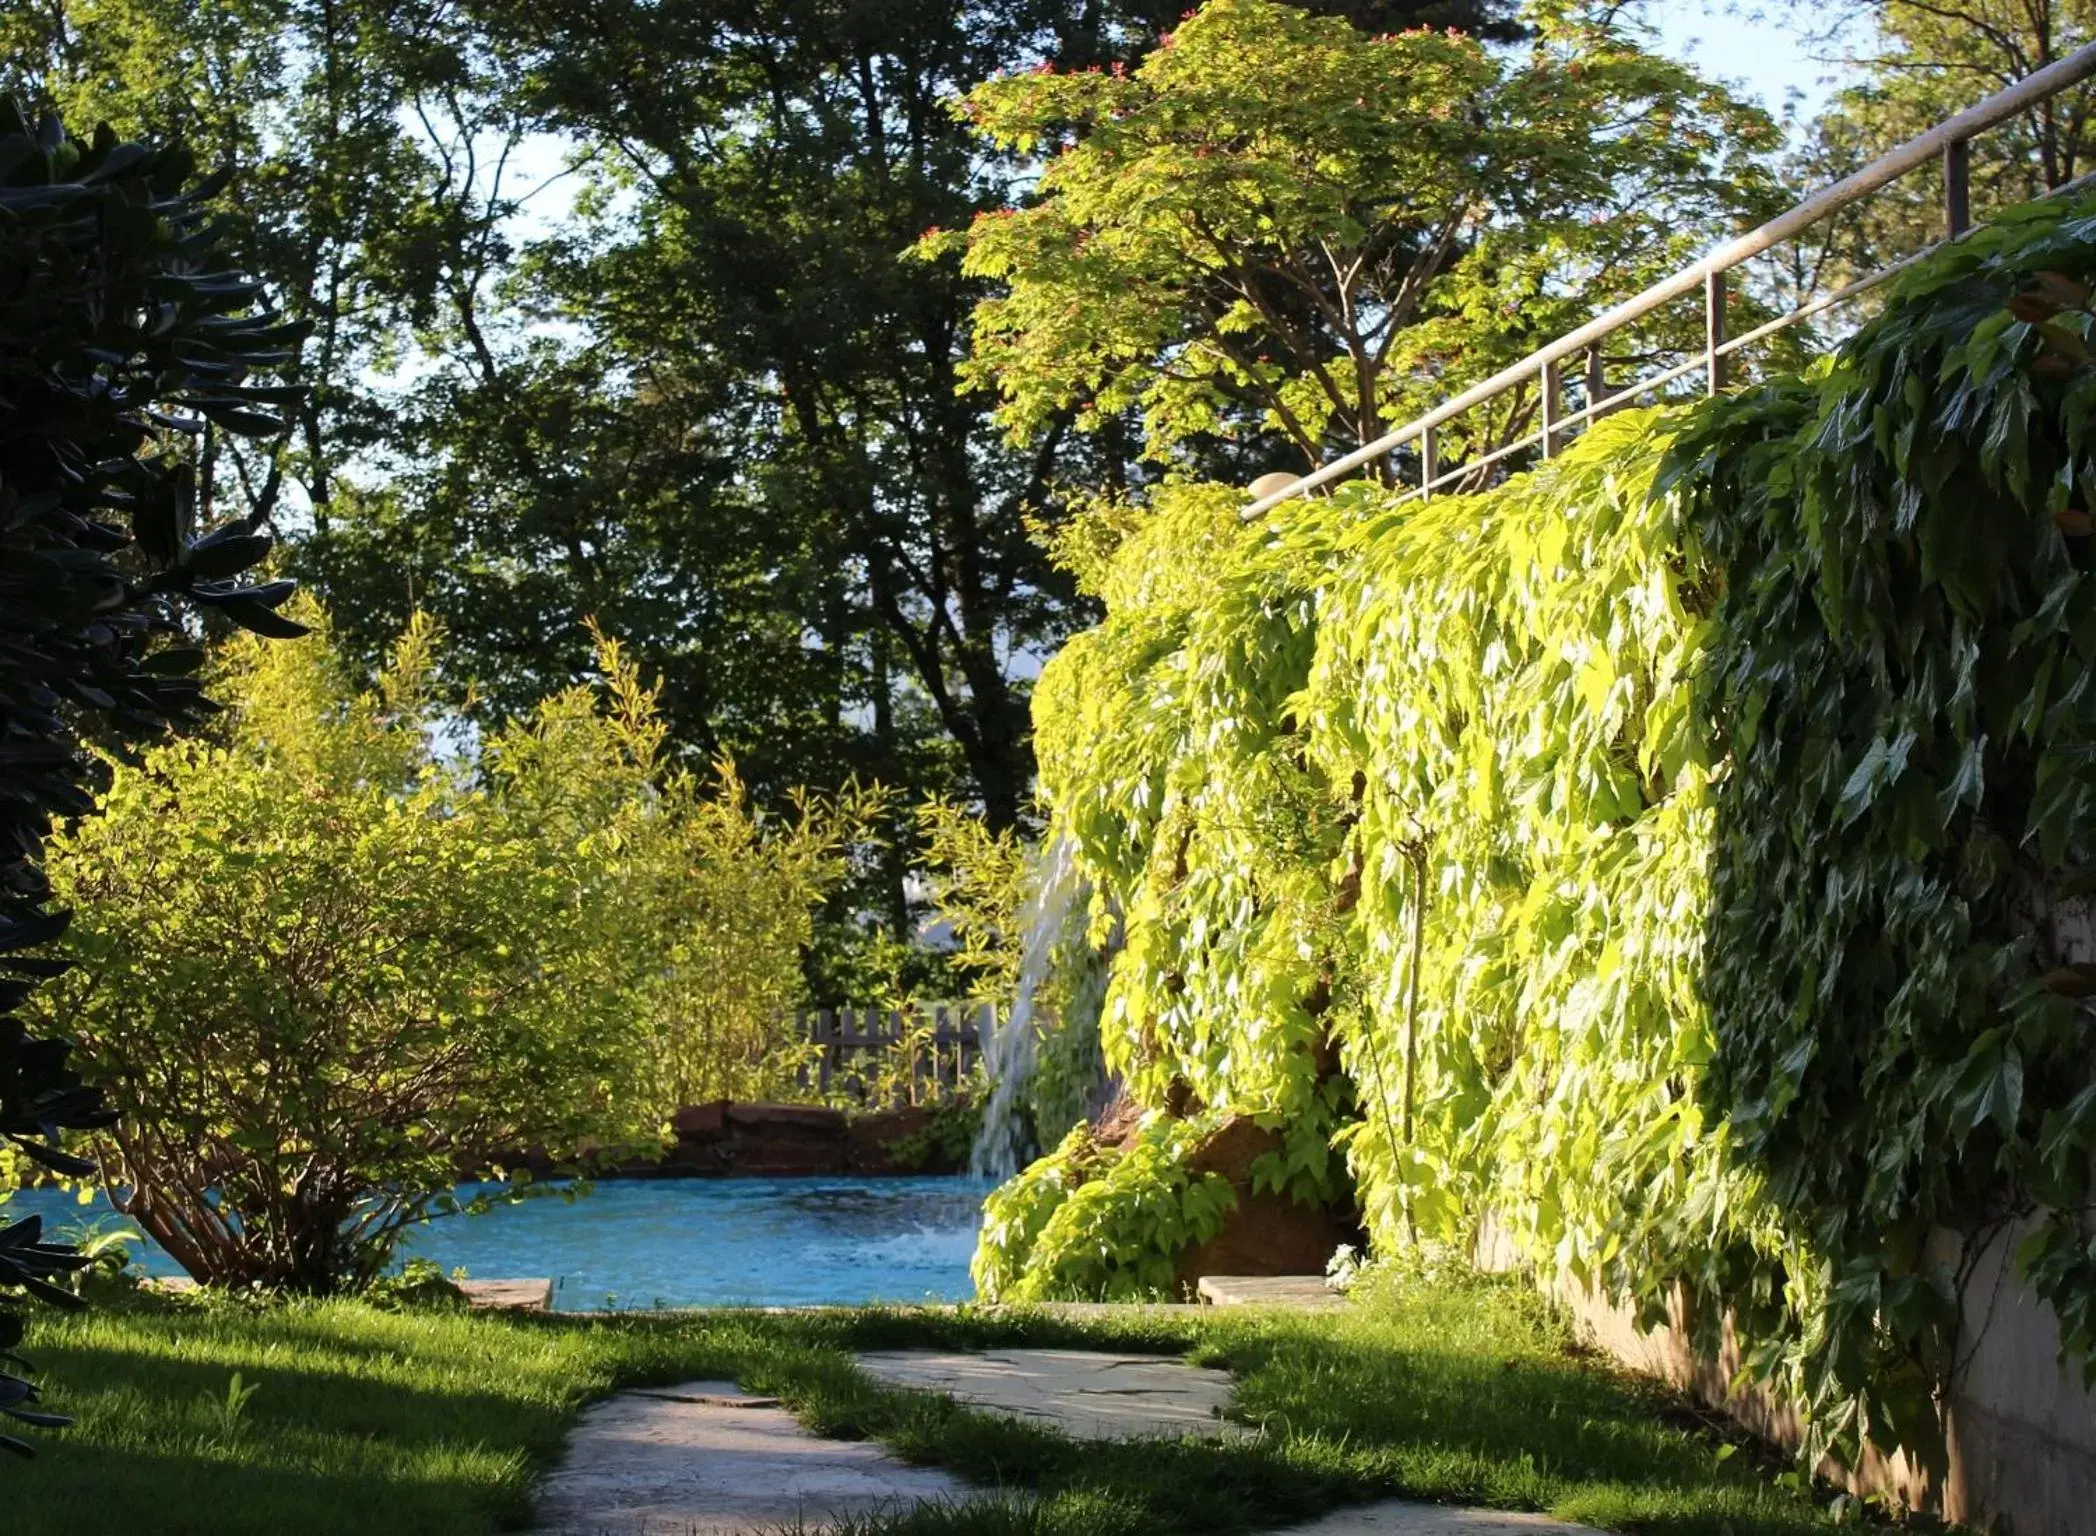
(1121, 1119)
(1268, 1233)
(701, 1122)
(870, 1139)
(725, 1138)
(707, 1155)
(785, 1140)
(787, 1162)
(816, 1119)
(1233, 1148)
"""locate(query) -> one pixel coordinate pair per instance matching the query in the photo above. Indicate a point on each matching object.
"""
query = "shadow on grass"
(357, 1422)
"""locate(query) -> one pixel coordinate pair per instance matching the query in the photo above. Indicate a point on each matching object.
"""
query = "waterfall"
(1009, 1052)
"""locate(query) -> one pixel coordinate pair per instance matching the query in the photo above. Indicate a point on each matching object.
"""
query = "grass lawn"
(433, 1422)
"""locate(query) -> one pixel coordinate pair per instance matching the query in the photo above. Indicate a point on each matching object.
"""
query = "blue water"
(634, 1243)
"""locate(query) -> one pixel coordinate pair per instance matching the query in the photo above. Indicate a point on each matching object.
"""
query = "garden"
(662, 786)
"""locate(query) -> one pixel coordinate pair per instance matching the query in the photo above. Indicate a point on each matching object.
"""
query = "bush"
(121, 341)
(324, 970)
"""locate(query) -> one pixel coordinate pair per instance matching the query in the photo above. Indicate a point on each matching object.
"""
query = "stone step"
(1301, 1293)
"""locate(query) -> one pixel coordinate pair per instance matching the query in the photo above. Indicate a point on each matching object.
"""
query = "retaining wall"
(2019, 1432)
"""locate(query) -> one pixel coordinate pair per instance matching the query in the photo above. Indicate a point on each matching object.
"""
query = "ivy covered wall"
(1679, 855)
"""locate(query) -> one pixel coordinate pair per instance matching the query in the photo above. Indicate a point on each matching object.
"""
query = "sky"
(1761, 56)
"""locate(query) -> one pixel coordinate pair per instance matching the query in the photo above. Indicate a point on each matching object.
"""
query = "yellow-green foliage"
(1105, 1223)
(322, 969)
(1271, 718)
(1513, 676)
(1162, 750)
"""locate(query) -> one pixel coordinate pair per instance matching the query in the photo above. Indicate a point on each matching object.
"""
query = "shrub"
(324, 970)
(122, 339)
(710, 902)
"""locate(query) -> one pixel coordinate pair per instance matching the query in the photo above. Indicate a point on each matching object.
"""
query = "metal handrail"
(1948, 141)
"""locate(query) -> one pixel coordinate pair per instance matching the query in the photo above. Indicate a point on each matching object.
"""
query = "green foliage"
(1097, 1223)
(943, 1142)
(579, 348)
(123, 336)
(322, 971)
(421, 1284)
(1276, 224)
(1900, 864)
(1675, 855)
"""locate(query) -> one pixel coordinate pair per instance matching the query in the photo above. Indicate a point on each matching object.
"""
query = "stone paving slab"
(1401, 1517)
(509, 1295)
(1298, 1293)
(705, 1459)
(1084, 1393)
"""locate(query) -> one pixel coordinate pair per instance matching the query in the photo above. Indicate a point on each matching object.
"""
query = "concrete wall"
(2020, 1432)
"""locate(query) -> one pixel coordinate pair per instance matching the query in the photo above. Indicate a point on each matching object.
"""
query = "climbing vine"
(1103, 1222)
(1674, 864)
(1900, 928)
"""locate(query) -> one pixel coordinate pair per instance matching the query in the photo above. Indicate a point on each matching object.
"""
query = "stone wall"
(726, 1139)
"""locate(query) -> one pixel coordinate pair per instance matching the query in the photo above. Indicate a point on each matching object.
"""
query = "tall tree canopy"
(870, 593)
(1280, 224)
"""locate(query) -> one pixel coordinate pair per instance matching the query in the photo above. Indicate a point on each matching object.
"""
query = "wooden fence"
(914, 1055)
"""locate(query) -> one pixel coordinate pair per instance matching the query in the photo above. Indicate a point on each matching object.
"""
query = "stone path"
(1401, 1517)
(1085, 1394)
(706, 1459)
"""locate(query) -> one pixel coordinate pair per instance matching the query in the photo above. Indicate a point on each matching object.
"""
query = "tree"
(1912, 64)
(1277, 225)
(322, 972)
(367, 166)
(782, 414)
(706, 405)
(122, 337)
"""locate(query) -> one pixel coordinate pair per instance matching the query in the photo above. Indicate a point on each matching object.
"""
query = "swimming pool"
(641, 1243)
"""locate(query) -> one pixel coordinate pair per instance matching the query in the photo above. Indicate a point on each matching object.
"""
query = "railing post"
(1553, 407)
(1714, 331)
(1597, 384)
(1957, 187)
(1429, 463)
